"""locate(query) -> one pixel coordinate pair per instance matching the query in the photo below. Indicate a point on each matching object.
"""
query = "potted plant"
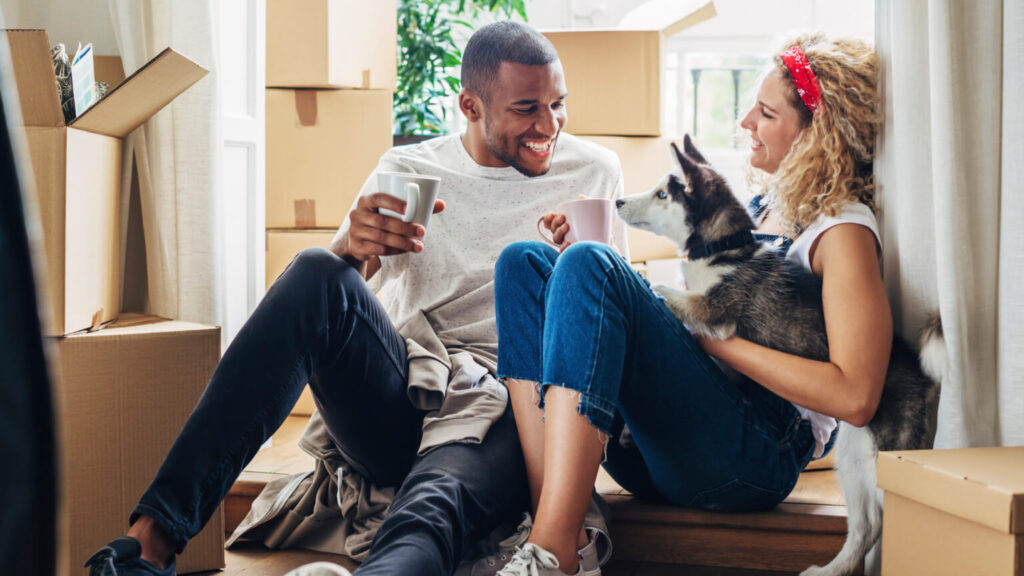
(428, 58)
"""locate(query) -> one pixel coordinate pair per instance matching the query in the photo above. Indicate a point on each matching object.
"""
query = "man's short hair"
(503, 41)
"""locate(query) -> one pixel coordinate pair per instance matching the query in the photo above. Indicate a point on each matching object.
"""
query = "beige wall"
(67, 21)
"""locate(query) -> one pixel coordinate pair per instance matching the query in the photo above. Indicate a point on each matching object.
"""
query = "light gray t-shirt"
(452, 280)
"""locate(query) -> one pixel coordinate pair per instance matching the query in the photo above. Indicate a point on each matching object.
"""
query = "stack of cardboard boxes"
(331, 74)
(614, 79)
(124, 385)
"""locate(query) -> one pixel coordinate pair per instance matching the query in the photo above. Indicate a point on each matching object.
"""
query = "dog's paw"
(666, 290)
(823, 571)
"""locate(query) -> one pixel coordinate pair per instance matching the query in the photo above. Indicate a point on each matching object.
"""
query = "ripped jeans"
(585, 320)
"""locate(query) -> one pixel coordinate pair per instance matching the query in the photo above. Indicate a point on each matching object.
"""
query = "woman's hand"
(558, 227)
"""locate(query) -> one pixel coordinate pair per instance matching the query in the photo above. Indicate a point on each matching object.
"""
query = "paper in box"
(614, 75)
(953, 512)
(332, 44)
(77, 173)
(124, 394)
(322, 145)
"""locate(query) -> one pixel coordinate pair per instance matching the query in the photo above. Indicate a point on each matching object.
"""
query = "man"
(450, 449)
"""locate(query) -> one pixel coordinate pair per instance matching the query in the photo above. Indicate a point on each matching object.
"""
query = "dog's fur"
(755, 293)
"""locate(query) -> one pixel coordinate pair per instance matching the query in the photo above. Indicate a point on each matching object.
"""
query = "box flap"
(34, 77)
(143, 94)
(669, 16)
(985, 485)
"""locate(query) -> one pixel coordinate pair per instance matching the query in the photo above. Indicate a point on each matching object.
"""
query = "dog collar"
(731, 242)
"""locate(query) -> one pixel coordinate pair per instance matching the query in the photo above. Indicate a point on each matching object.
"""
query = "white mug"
(418, 191)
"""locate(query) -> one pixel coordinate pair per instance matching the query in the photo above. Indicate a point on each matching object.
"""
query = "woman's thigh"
(706, 438)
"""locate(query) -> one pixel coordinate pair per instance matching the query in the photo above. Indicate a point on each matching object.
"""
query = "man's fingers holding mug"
(551, 220)
(558, 232)
(374, 202)
(378, 242)
(438, 206)
(375, 220)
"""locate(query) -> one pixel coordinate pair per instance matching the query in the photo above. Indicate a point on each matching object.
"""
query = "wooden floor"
(649, 538)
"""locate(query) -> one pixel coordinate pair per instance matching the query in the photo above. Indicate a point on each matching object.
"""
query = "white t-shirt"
(799, 252)
(452, 280)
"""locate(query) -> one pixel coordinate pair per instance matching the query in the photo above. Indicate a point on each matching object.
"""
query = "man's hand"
(559, 228)
(372, 234)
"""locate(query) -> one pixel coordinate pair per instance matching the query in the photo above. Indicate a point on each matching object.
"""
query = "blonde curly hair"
(830, 163)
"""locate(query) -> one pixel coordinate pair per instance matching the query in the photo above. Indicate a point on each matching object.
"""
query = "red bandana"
(803, 77)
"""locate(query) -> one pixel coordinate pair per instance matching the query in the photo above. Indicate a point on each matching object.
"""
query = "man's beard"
(496, 146)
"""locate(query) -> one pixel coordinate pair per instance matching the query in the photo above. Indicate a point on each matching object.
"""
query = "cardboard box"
(321, 147)
(282, 246)
(124, 394)
(645, 161)
(953, 512)
(77, 169)
(332, 44)
(614, 76)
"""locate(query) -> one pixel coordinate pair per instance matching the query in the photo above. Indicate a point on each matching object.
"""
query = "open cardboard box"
(953, 512)
(332, 44)
(77, 169)
(614, 75)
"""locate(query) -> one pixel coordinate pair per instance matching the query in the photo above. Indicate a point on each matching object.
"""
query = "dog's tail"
(934, 358)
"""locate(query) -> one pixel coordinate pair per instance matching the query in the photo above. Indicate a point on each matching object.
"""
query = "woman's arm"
(859, 326)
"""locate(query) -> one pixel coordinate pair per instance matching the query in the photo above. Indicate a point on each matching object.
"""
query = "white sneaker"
(319, 569)
(590, 559)
(490, 564)
(590, 563)
(532, 560)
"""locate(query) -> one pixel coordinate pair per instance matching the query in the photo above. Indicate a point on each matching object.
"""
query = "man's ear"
(471, 105)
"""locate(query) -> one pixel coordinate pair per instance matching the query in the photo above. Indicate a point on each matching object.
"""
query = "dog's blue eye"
(662, 195)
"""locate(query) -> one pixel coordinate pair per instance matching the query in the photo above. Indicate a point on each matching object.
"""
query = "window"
(709, 93)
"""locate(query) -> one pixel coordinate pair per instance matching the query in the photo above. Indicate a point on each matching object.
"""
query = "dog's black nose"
(619, 203)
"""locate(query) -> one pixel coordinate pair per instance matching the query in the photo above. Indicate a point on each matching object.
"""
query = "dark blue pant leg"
(320, 323)
(453, 496)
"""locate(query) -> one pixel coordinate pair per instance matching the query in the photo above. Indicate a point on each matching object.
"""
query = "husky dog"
(737, 286)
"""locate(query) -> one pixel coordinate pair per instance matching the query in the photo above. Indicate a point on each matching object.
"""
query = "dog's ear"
(684, 162)
(692, 151)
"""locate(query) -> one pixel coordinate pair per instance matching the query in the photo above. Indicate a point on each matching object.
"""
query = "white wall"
(736, 18)
(66, 21)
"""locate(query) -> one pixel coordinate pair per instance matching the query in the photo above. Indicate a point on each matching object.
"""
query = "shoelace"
(527, 560)
(102, 562)
(512, 543)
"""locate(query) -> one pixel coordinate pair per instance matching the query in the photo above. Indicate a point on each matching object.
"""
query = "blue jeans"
(585, 320)
(319, 323)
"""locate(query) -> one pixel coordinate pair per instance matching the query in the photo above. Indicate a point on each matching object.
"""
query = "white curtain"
(950, 170)
(177, 154)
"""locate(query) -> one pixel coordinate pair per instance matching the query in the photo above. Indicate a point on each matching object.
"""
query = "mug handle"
(544, 236)
(412, 199)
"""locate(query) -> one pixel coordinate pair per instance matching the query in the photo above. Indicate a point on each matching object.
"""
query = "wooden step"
(808, 528)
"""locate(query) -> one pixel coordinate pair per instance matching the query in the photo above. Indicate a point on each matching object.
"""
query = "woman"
(586, 344)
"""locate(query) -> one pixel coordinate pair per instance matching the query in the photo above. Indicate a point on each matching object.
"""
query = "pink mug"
(590, 219)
